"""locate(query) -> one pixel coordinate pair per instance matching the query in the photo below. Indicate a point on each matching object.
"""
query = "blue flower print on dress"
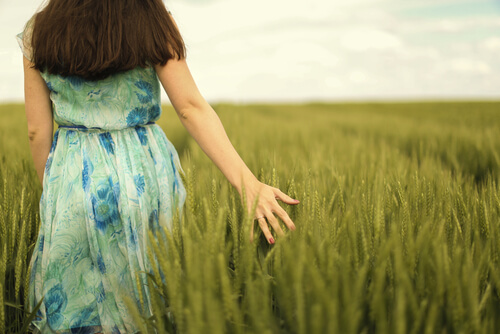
(176, 182)
(51, 88)
(137, 116)
(141, 132)
(116, 187)
(147, 88)
(94, 93)
(88, 169)
(100, 294)
(77, 255)
(82, 322)
(75, 81)
(38, 314)
(55, 303)
(100, 263)
(40, 245)
(151, 155)
(54, 141)
(154, 112)
(107, 142)
(132, 234)
(139, 184)
(47, 165)
(104, 206)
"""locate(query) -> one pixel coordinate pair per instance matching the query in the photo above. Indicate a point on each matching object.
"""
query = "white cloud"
(365, 38)
(333, 82)
(357, 76)
(305, 53)
(419, 53)
(469, 66)
(449, 25)
(491, 44)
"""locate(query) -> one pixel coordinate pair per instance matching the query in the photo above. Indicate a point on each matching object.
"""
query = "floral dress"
(111, 175)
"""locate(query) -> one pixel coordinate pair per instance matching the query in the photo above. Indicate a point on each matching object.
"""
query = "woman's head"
(96, 38)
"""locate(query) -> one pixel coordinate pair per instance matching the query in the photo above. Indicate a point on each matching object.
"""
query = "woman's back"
(111, 175)
(121, 100)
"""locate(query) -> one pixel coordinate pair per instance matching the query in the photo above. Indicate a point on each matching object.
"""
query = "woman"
(109, 171)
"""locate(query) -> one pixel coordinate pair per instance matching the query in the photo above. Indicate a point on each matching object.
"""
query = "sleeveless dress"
(111, 175)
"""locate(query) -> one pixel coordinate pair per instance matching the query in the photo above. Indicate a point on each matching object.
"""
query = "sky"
(244, 51)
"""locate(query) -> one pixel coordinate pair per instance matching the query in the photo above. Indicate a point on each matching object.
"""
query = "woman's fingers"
(274, 223)
(267, 217)
(263, 226)
(285, 218)
(284, 197)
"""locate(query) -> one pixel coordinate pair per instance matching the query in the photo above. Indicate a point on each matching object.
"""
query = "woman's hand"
(205, 126)
(267, 206)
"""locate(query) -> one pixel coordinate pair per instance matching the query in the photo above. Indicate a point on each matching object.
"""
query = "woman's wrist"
(246, 179)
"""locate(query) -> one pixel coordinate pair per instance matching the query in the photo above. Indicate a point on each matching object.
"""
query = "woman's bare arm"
(204, 125)
(39, 116)
(201, 121)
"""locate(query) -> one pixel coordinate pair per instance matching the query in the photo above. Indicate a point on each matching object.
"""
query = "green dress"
(111, 176)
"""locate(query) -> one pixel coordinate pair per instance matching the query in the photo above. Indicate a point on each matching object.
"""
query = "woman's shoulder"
(142, 76)
(24, 38)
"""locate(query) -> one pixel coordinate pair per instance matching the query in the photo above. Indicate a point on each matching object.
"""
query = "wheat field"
(398, 229)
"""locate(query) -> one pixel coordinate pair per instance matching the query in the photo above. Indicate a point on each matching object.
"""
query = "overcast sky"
(318, 50)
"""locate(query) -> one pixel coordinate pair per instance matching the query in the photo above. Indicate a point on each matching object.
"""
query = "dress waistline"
(84, 128)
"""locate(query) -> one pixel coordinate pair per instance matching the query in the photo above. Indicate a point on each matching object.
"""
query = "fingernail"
(296, 200)
(293, 227)
(271, 240)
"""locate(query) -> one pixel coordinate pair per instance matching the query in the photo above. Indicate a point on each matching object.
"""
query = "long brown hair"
(95, 38)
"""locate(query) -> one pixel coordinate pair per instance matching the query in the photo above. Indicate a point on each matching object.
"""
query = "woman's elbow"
(192, 110)
(35, 134)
